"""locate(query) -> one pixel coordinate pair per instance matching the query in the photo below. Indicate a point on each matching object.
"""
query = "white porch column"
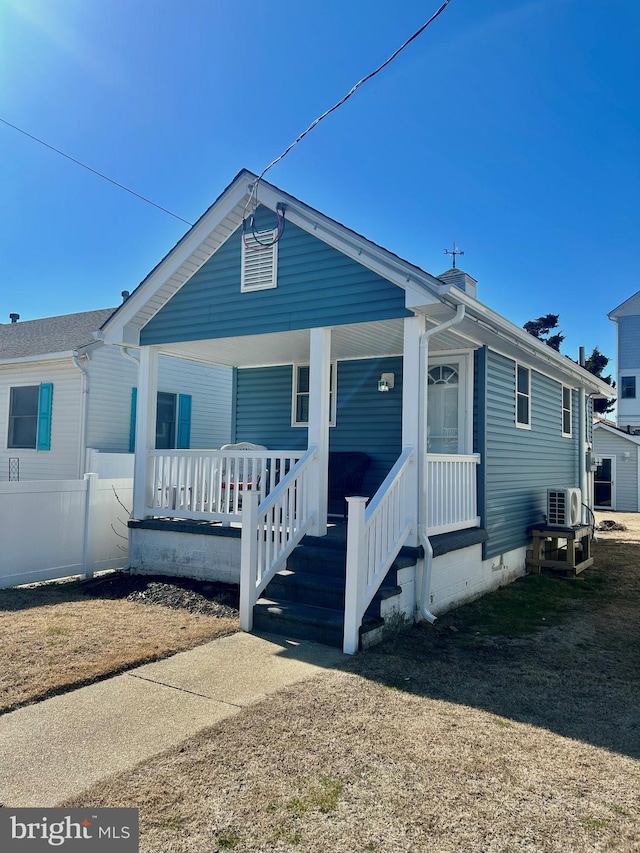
(412, 399)
(146, 405)
(319, 412)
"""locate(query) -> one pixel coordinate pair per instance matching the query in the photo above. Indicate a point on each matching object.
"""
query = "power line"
(95, 172)
(346, 97)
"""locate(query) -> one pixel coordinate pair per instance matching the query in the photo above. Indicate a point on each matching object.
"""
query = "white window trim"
(563, 410)
(7, 447)
(635, 386)
(294, 394)
(465, 399)
(265, 237)
(520, 425)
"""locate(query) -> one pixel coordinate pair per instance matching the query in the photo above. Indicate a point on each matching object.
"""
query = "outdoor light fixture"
(386, 382)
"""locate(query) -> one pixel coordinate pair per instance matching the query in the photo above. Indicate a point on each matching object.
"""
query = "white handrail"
(375, 536)
(271, 530)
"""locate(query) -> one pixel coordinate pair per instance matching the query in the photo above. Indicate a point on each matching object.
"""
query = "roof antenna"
(455, 251)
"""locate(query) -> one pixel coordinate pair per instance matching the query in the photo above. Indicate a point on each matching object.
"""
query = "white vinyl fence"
(109, 464)
(57, 528)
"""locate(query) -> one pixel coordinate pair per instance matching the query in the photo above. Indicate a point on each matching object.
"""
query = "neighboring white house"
(617, 478)
(63, 392)
(617, 445)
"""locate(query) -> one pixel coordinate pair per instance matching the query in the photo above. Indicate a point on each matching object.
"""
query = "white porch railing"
(208, 484)
(375, 535)
(271, 529)
(451, 492)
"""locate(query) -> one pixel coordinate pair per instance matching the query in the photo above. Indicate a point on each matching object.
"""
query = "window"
(173, 421)
(443, 408)
(300, 413)
(628, 387)
(166, 421)
(259, 264)
(566, 411)
(523, 397)
(30, 417)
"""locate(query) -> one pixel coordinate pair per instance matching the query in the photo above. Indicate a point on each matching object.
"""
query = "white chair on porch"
(247, 475)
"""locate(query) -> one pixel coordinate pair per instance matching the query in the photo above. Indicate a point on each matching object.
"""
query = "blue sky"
(511, 126)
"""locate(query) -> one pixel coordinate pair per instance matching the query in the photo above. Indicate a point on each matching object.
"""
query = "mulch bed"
(210, 598)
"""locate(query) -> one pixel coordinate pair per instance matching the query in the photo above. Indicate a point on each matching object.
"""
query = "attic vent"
(259, 262)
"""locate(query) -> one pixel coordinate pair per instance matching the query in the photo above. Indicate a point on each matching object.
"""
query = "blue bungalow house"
(363, 387)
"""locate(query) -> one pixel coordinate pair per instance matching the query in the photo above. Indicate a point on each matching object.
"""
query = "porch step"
(306, 621)
(306, 600)
(322, 590)
(331, 561)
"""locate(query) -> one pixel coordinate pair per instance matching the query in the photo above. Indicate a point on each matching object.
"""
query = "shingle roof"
(50, 334)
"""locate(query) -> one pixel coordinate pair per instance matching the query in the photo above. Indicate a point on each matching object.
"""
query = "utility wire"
(94, 171)
(346, 97)
(273, 162)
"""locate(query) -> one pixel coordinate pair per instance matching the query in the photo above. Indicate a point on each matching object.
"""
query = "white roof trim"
(49, 356)
(617, 431)
(224, 216)
(518, 337)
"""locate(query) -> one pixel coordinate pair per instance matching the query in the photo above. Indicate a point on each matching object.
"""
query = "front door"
(447, 406)
(604, 482)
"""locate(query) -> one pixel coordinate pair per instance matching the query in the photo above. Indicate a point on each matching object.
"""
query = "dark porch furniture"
(346, 474)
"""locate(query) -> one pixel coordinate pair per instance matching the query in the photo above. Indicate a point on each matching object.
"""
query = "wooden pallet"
(561, 550)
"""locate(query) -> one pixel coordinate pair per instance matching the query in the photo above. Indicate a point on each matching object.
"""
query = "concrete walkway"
(54, 749)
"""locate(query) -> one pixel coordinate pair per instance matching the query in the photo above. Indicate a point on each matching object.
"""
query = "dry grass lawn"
(61, 635)
(511, 726)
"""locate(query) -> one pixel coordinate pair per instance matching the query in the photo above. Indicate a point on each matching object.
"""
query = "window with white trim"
(259, 264)
(301, 390)
(566, 411)
(628, 387)
(523, 397)
(30, 410)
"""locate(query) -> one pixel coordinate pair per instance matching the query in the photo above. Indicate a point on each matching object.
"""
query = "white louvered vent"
(259, 262)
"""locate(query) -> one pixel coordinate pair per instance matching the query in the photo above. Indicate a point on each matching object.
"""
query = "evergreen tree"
(595, 364)
(541, 328)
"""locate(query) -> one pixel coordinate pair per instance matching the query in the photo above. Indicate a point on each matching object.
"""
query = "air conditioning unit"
(564, 507)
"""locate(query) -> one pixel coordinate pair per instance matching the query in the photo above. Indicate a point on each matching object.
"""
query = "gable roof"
(627, 308)
(220, 221)
(615, 430)
(50, 335)
(424, 293)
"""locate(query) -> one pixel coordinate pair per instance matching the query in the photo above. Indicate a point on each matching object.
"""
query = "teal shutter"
(184, 422)
(132, 422)
(45, 406)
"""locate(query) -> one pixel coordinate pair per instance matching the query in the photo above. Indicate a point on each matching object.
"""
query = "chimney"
(14, 317)
(461, 279)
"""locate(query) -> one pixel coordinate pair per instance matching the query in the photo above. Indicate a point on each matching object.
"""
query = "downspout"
(125, 352)
(582, 472)
(82, 452)
(425, 587)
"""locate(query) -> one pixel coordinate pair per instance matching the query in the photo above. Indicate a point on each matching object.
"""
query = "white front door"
(448, 406)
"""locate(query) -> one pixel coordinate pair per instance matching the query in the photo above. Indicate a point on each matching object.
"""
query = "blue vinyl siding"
(317, 286)
(629, 343)
(365, 419)
(520, 465)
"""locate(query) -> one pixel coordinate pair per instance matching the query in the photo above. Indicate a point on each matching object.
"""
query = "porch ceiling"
(364, 340)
